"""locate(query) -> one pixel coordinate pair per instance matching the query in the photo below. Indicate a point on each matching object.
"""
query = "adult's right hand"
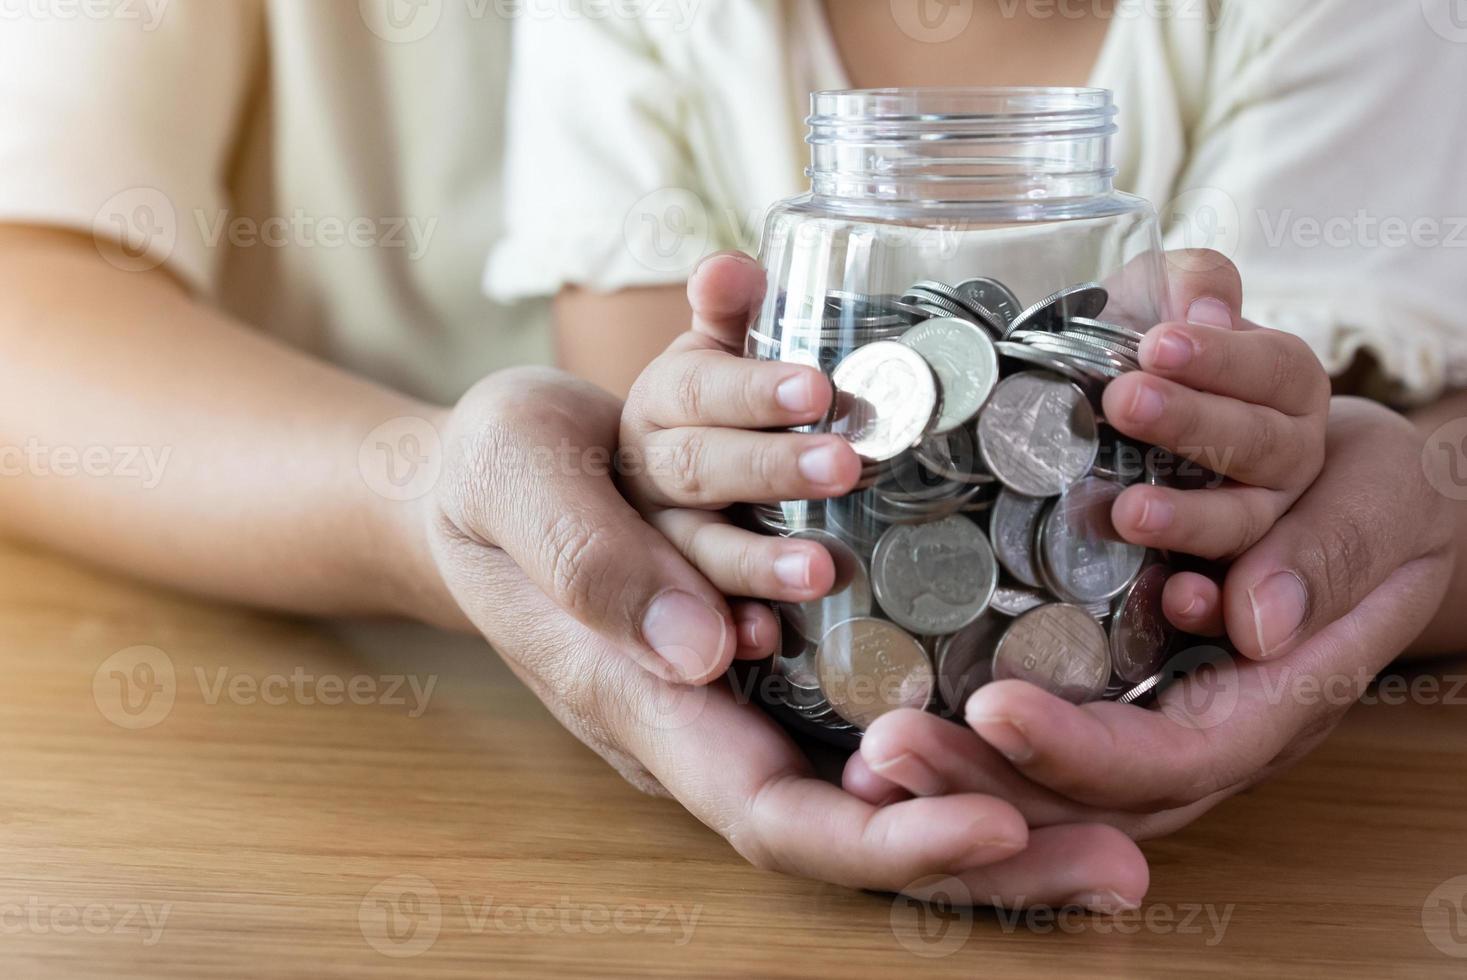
(572, 589)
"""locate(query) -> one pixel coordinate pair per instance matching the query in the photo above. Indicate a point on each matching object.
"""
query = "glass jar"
(965, 272)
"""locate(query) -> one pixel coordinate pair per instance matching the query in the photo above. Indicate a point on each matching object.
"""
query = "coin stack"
(978, 545)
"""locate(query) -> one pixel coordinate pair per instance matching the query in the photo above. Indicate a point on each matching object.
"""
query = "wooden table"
(198, 808)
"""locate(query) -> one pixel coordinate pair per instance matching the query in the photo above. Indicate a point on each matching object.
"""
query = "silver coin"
(1122, 333)
(849, 596)
(1090, 378)
(1058, 647)
(992, 295)
(1011, 529)
(974, 311)
(966, 365)
(1142, 689)
(965, 660)
(886, 398)
(1085, 300)
(869, 667)
(1037, 434)
(934, 578)
(1140, 634)
(1015, 600)
(1081, 556)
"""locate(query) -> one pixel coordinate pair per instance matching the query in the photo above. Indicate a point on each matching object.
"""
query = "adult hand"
(1367, 552)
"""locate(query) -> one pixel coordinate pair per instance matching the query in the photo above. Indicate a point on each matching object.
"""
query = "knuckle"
(578, 555)
(688, 390)
(1340, 556)
(685, 468)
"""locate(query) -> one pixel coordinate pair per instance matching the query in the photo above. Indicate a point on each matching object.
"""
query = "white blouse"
(1318, 143)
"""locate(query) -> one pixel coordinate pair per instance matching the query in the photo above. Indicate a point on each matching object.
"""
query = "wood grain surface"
(196, 791)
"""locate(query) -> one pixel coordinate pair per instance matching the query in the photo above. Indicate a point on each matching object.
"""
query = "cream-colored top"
(1316, 142)
(326, 169)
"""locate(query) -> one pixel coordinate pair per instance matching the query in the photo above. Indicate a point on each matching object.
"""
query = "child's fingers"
(1193, 603)
(1265, 367)
(740, 562)
(757, 628)
(714, 468)
(1219, 522)
(724, 292)
(1250, 443)
(709, 387)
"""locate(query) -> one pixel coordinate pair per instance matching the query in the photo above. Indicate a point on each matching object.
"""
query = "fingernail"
(1005, 736)
(1105, 903)
(1280, 603)
(796, 394)
(685, 631)
(1156, 515)
(748, 632)
(1147, 404)
(820, 465)
(793, 570)
(916, 775)
(1171, 351)
(1192, 609)
(1209, 312)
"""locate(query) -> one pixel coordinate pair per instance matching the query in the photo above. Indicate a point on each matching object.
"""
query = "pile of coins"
(978, 545)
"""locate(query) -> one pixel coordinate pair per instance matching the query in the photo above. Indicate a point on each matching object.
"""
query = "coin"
(991, 295)
(1142, 689)
(849, 596)
(966, 365)
(1015, 600)
(965, 660)
(1140, 635)
(1037, 434)
(1081, 556)
(885, 399)
(1085, 300)
(1011, 529)
(868, 667)
(1058, 647)
(934, 578)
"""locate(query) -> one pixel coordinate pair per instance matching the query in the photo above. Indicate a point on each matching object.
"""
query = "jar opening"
(961, 146)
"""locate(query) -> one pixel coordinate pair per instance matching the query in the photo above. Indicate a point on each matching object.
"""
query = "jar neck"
(960, 147)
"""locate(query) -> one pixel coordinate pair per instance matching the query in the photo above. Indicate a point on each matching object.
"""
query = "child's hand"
(691, 445)
(1247, 402)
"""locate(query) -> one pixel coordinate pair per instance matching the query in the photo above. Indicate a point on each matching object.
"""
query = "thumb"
(1346, 536)
(725, 291)
(1205, 288)
(530, 473)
